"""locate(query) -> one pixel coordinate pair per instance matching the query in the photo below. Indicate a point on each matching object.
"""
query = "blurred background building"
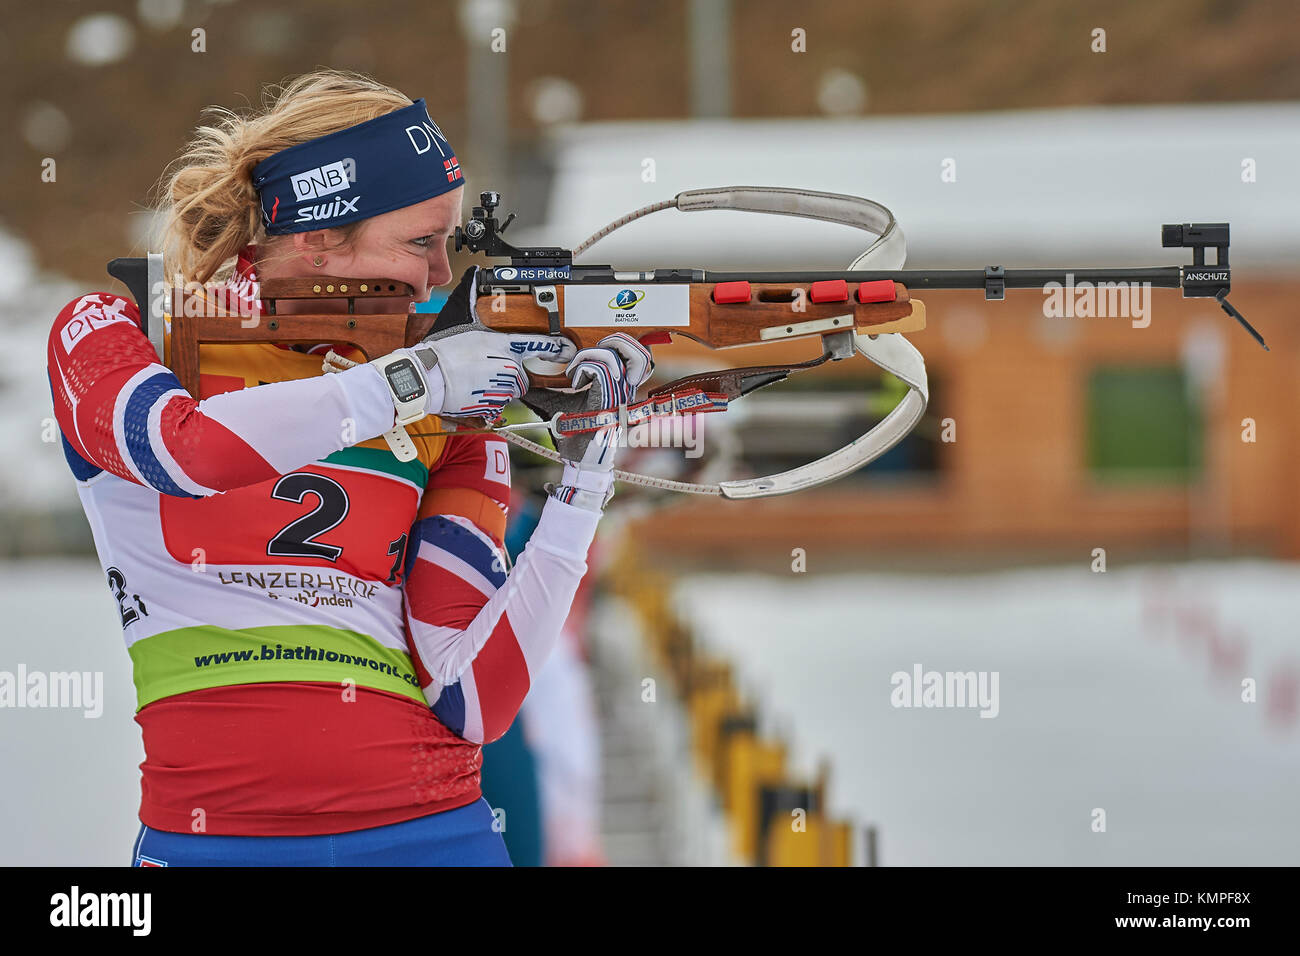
(1014, 132)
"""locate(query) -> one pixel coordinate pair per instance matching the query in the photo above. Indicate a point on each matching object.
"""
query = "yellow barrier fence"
(775, 819)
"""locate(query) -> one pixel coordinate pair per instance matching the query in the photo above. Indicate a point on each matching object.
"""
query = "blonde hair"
(209, 208)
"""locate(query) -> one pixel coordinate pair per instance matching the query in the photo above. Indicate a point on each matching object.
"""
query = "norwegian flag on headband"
(453, 169)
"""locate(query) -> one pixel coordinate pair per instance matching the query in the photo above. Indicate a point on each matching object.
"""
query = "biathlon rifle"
(859, 311)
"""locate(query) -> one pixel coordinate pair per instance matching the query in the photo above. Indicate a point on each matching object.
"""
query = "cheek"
(416, 272)
(419, 278)
(393, 264)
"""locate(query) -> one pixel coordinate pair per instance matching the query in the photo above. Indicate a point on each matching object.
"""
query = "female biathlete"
(322, 635)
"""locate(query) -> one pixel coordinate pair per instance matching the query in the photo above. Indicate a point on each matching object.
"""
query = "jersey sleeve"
(479, 635)
(121, 411)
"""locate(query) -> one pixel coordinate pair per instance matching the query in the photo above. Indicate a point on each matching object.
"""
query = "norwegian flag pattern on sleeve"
(478, 635)
(121, 411)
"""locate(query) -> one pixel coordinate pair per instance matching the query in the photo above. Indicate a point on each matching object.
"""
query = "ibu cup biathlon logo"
(626, 299)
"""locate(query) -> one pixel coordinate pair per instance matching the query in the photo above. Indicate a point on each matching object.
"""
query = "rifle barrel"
(1160, 277)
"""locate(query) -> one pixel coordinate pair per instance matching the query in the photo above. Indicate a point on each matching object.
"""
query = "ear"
(310, 243)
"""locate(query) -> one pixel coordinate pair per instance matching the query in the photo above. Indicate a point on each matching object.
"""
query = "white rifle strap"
(894, 354)
(889, 351)
(888, 251)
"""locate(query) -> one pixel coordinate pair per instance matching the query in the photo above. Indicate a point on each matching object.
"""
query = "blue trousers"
(460, 837)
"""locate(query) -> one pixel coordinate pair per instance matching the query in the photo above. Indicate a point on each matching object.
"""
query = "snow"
(71, 783)
(1109, 696)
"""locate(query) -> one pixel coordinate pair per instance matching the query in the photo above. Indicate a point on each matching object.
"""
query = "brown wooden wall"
(1016, 477)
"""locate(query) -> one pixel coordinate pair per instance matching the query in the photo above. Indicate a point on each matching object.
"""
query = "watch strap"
(400, 443)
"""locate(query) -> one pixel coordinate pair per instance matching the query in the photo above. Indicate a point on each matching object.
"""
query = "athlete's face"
(408, 244)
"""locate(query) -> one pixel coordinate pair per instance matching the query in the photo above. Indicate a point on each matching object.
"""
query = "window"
(1145, 425)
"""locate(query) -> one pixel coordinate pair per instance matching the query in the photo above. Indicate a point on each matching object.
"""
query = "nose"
(439, 267)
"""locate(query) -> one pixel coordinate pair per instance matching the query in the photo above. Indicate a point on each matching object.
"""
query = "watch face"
(404, 380)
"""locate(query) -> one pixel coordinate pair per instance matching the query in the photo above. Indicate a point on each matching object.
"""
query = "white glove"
(481, 371)
(618, 365)
(616, 368)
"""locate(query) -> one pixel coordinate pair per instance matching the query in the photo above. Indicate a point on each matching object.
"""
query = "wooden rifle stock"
(770, 315)
(374, 334)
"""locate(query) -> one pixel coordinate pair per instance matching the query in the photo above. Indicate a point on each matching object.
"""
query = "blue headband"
(394, 160)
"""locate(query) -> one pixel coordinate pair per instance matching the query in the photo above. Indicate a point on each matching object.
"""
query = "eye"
(425, 241)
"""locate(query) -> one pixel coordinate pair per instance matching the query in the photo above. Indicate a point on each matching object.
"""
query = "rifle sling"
(737, 382)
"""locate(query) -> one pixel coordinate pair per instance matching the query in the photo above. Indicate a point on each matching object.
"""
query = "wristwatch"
(406, 382)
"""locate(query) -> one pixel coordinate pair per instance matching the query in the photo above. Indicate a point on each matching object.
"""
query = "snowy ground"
(1119, 691)
(71, 783)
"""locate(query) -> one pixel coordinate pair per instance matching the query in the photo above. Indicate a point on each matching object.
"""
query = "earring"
(318, 261)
